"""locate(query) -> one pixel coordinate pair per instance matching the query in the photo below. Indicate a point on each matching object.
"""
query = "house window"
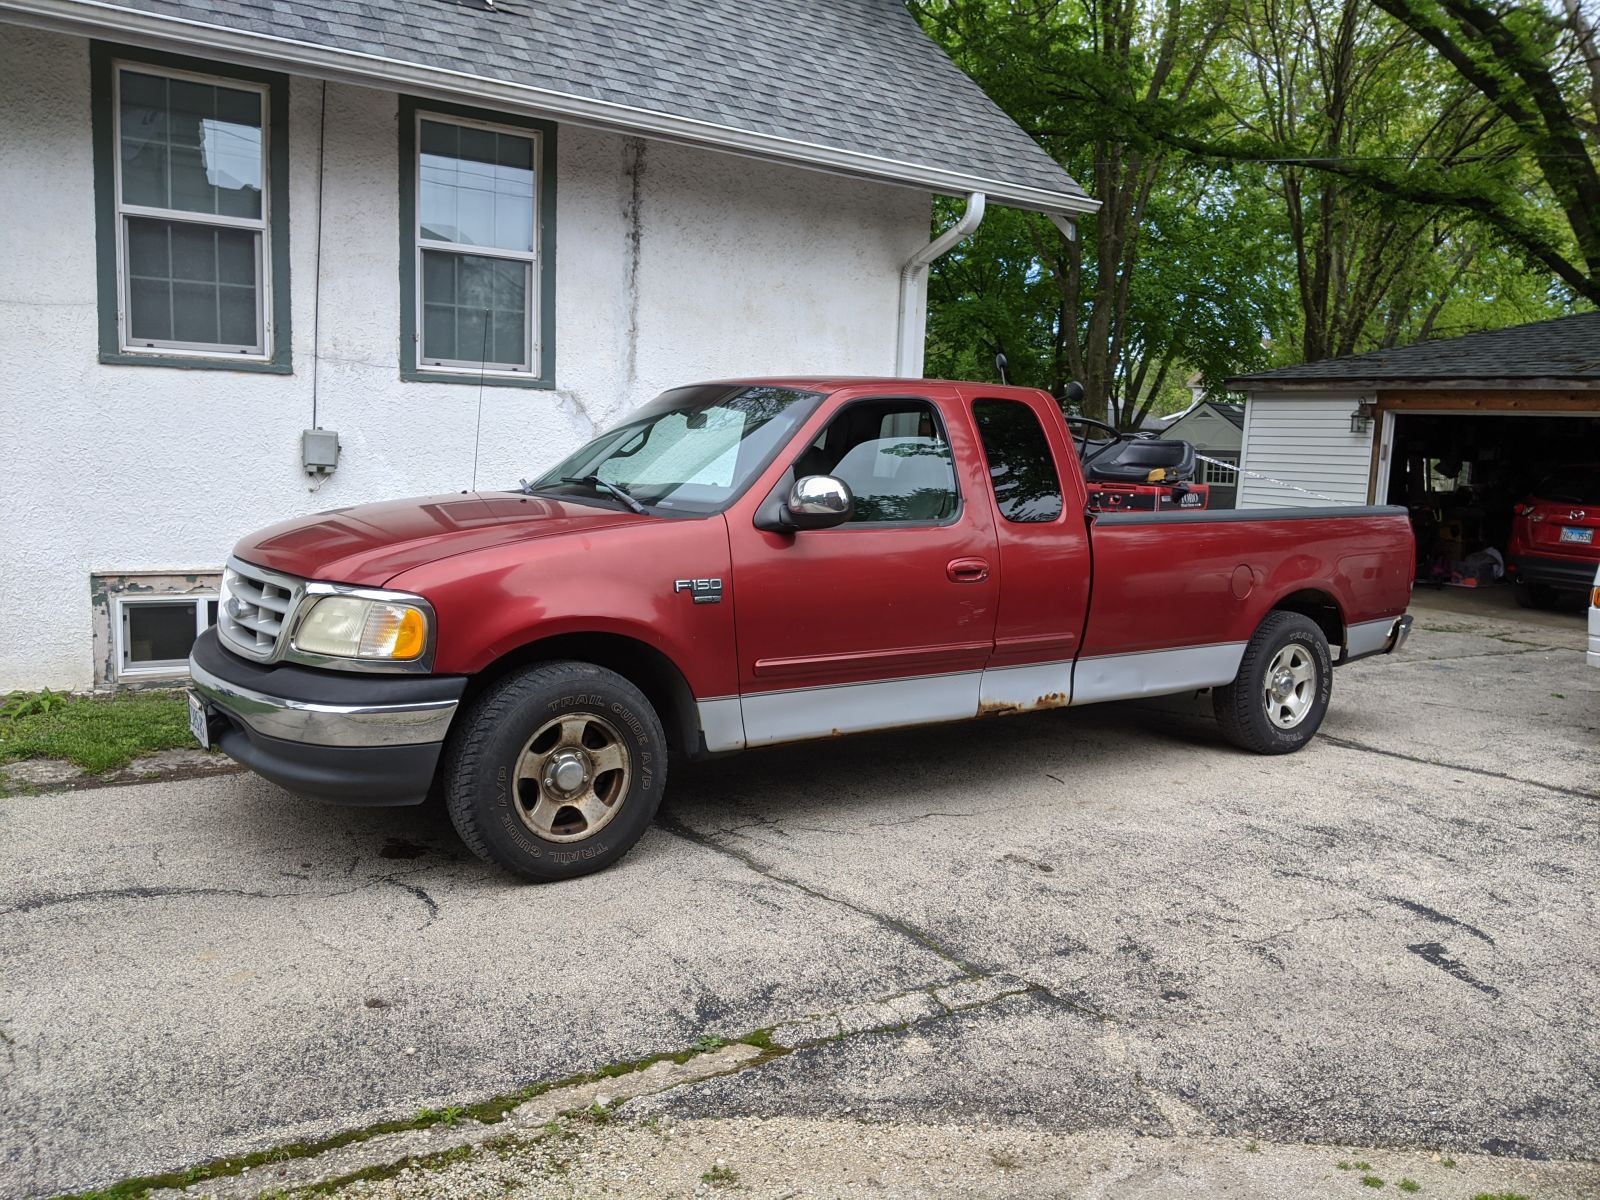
(1222, 473)
(191, 214)
(476, 201)
(155, 634)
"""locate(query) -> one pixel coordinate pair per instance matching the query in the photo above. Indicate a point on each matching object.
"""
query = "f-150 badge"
(704, 591)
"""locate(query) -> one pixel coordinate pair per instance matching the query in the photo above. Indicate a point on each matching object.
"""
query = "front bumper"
(336, 736)
(1569, 574)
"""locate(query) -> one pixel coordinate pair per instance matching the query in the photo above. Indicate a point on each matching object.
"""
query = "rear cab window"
(1022, 469)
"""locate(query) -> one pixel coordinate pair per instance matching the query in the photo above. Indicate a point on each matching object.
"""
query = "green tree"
(1156, 284)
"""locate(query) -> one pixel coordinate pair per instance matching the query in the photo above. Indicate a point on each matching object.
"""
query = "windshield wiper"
(614, 489)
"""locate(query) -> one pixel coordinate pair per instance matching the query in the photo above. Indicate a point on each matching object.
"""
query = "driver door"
(888, 619)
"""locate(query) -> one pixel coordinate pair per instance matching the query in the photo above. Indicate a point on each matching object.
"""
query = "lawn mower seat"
(1133, 460)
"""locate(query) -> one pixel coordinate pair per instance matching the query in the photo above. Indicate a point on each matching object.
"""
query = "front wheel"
(556, 771)
(1276, 702)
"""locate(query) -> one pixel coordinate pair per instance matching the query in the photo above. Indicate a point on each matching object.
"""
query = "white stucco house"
(454, 236)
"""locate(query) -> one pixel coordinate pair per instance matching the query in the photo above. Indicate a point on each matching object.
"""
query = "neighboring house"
(457, 236)
(1457, 430)
(1372, 428)
(1216, 430)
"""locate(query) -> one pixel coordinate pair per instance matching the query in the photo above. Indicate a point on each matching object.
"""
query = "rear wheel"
(1534, 595)
(556, 771)
(1276, 702)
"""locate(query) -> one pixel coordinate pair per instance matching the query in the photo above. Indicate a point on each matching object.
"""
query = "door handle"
(967, 570)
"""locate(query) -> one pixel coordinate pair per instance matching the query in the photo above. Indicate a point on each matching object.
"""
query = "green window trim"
(543, 369)
(103, 59)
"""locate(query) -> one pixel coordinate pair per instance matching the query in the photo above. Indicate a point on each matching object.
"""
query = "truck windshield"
(692, 450)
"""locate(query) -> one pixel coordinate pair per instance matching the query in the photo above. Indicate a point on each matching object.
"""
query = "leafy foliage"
(1279, 180)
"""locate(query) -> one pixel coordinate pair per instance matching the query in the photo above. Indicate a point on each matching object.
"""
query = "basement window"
(155, 634)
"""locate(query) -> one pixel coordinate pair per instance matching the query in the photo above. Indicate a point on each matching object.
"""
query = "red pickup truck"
(751, 562)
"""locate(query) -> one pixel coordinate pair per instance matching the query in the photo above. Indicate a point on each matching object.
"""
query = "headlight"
(350, 627)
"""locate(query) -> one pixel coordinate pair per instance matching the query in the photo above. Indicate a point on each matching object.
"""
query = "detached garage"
(1461, 431)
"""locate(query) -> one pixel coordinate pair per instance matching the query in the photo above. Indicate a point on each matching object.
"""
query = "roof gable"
(847, 85)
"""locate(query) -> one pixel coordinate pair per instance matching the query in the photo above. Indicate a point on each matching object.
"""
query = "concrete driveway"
(1389, 939)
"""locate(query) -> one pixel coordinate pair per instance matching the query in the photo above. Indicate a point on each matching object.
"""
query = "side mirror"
(814, 502)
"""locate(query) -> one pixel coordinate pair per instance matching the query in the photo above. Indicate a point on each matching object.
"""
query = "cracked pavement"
(1094, 921)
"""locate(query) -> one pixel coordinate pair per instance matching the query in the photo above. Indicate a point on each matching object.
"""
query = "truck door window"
(1026, 486)
(895, 458)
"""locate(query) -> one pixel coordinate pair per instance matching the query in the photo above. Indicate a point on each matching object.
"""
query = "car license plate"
(197, 721)
(1581, 537)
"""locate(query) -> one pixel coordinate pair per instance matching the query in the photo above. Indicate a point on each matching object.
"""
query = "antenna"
(483, 366)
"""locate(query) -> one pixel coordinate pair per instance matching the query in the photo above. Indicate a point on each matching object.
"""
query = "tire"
(1534, 595)
(1253, 719)
(555, 771)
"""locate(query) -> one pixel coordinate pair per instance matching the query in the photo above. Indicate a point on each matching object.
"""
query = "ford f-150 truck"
(752, 562)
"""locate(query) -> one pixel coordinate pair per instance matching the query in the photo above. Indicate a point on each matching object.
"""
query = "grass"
(1371, 1181)
(720, 1176)
(98, 733)
(1499, 1196)
(1409, 1185)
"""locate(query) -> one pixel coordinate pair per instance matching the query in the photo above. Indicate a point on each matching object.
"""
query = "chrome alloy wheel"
(1291, 685)
(571, 777)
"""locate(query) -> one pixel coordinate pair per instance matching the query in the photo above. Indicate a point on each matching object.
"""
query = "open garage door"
(1462, 475)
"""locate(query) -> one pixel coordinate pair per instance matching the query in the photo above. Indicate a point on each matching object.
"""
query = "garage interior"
(1461, 474)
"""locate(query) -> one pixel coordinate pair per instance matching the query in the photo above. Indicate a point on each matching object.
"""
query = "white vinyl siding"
(1304, 440)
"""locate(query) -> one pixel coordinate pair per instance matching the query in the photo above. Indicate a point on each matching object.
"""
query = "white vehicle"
(1594, 621)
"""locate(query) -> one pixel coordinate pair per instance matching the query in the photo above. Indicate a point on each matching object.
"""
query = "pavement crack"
(1437, 955)
(893, 924)
(1433, 914)
(135, 893)
(1347, 744)
(420, 894)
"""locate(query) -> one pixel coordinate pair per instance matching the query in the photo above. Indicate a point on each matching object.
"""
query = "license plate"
(1581, 537)
(197, 721)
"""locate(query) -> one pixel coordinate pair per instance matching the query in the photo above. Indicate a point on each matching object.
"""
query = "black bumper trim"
(360, 776)
(1575, 574)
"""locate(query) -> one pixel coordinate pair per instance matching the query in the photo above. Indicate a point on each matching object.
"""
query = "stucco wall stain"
(633, 166)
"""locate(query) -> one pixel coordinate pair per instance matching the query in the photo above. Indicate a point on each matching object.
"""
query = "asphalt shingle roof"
(851, 75)
(1566, 349)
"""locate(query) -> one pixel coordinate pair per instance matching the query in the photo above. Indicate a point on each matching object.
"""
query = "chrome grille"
(255, 608)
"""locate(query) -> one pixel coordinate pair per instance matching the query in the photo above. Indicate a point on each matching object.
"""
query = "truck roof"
(835, 383)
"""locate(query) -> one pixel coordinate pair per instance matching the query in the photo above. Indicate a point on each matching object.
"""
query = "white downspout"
(914, 289)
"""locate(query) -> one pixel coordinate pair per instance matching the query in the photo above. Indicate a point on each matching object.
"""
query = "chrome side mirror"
(818, 502)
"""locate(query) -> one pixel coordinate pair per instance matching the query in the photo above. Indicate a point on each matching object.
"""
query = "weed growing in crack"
(720, 1175)
(709, 1042)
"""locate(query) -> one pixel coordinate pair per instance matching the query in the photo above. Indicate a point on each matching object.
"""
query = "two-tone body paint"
(862, 626)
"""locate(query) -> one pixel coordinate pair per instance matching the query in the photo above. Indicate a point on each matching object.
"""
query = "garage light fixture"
(1361, 419)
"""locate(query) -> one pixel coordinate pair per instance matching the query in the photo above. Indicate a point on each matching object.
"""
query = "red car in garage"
(1555, 536)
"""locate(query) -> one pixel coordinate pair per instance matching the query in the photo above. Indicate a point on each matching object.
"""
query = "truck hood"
(370, 544)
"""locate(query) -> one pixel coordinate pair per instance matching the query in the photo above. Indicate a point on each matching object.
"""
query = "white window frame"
(126, 669)
(262, 350)
(454, 367)
(1210, 472)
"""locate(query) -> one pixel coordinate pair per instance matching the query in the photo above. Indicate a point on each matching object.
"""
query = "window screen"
(1027, 488)
(191, 212)
(476, 192)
